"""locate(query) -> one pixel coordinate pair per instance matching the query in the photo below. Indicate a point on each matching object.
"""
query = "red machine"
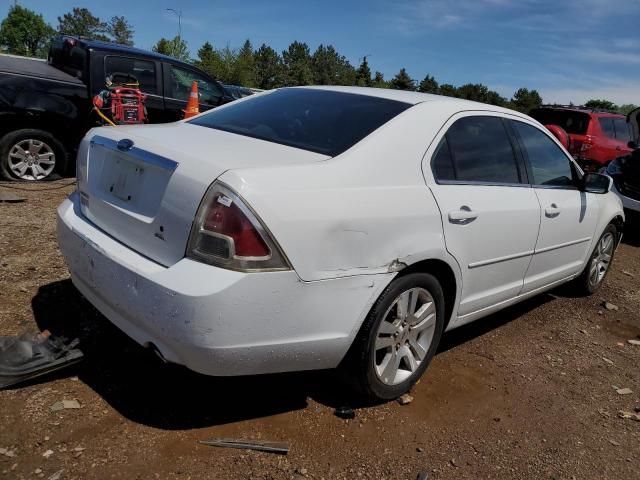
(122, 100)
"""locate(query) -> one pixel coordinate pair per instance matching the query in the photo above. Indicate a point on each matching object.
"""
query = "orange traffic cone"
(193, 104)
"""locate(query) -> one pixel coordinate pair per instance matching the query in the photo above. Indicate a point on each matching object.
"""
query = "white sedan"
(311, 228)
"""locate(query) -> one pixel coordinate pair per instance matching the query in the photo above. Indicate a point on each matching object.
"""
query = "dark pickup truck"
(46, 106)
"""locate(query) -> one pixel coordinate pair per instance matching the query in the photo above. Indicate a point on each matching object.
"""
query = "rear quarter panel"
(357, 213)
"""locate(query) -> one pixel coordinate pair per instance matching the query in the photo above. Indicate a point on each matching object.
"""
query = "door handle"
(619, 148)
(463, 216)
(552, 211)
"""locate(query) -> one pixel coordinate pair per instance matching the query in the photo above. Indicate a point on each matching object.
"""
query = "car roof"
(580, 109)
(452, 103)
(124, 49)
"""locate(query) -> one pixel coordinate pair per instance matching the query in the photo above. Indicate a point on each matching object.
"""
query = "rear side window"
(181, 80)
(322, 121)
(479, 150)
(571, 121)
(549, 165)
(623, 133)
(143, 71)
(607, 127)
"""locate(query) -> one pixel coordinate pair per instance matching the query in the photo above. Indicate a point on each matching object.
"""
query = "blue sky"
(570, 50)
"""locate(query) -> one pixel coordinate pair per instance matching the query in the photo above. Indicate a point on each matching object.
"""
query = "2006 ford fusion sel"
(311, 228)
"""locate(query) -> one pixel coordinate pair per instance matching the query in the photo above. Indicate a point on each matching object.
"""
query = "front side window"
(142, 71)
(607, 127)
(549, 165)
(480, 151)
(181, 80)
(623, 132)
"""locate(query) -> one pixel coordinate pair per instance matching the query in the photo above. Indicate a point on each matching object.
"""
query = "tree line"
(25, 32)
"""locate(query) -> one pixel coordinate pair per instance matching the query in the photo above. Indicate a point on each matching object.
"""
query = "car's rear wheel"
(594, 273)
(30, 155)
(399, 337)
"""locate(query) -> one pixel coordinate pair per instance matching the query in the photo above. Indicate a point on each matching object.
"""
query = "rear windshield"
(570, 121)
(320, 121)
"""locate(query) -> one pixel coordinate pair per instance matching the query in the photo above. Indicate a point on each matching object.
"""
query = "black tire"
(584, 284)
(359, 367)
(8, 141)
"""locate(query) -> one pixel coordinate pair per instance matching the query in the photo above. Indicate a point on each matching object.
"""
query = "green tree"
(627, 108)
(176, 48)
(331, 68)
(448, 90)
(80, 22)
(120, 31)
(402, 81)
(601, 104)
(363, 74)
(379, 81)
(269, 68)
(228, 61)
(428, 85)
(245, 66)
(474, 91)
(24, 32)
(209, 60)
(524, 100)
(297, 64)
(494, 98)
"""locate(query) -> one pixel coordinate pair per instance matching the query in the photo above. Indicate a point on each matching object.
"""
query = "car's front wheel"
(399, 337)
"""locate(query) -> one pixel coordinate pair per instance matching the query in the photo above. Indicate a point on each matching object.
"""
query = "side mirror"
(632, 144)
(596, 183)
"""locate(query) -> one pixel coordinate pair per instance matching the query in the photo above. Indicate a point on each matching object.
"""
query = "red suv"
(597, 137)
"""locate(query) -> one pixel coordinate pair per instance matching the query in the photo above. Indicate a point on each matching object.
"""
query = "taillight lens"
(227, 233)
(587, 144)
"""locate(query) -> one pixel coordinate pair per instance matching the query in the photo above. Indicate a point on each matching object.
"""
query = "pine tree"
(363, 74)
(402, 81)
(269, 69)
(80, 22)
(297, 64)
(120, 30)
(245, 66)
(428, 85)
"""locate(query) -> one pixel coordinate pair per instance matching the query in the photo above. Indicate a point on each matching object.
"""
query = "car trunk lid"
(143, 185)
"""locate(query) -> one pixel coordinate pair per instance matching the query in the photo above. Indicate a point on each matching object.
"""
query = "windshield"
(571, 121)
(321, 121)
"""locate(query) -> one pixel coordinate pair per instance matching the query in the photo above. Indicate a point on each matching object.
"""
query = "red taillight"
(587, 143)
(227, 219)
(227, 233)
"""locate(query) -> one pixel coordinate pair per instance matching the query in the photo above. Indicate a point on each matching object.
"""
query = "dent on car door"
(569, 216)
(177, 88)
(489, 212)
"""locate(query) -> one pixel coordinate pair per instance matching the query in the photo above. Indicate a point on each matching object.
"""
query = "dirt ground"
(524, 394)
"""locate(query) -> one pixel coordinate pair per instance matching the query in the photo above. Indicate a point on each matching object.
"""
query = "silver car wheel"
(602, 259)
(404, 336)
(31, 159)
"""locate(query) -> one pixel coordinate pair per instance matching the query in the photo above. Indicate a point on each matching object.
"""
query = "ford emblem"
(125, 144)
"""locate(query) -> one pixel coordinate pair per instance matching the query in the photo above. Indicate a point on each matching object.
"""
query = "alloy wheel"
(31, 159)
(404, 336)
(602, 259)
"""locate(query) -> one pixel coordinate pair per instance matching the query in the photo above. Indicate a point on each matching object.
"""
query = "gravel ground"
(527, 393)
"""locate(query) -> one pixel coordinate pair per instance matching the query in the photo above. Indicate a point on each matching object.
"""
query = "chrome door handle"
(552, 211)
(462, 216)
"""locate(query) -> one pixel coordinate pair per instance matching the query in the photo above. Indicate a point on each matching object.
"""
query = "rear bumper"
(216, 321)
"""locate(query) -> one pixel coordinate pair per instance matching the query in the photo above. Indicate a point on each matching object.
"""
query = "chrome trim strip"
(137, 153)
(491, 261)
(562, 245)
